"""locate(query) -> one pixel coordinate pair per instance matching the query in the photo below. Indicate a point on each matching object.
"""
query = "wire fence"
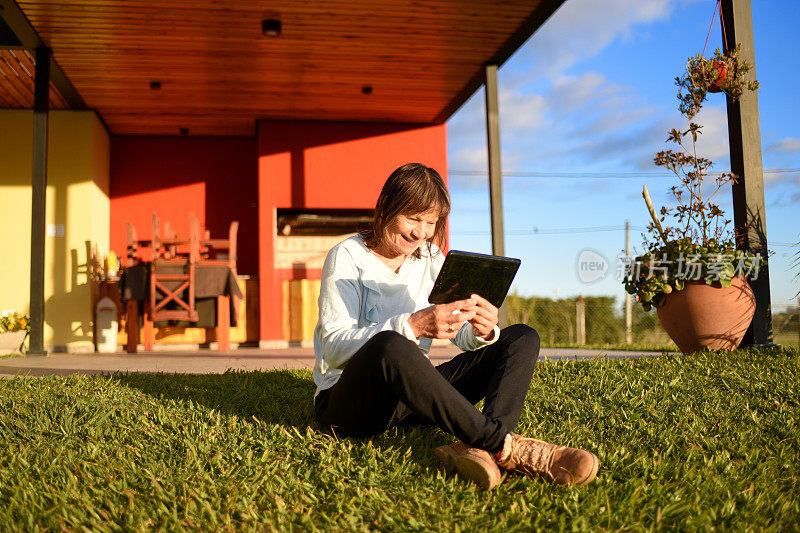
(599, 321)
(785, 329)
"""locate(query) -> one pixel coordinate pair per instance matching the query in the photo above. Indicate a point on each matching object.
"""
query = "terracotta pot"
(721, 70)
(702, 316)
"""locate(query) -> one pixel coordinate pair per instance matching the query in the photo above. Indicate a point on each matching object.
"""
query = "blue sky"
(593, 92)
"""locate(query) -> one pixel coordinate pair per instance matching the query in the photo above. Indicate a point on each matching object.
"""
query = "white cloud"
(788, 145)
(626, 147)
(590, 25)
(774, 178)
(521, 112)
(599, 106)
(713, 142)
(552, 120)
(791, 188)
(541, 129)
(469, 158)
(569, 93)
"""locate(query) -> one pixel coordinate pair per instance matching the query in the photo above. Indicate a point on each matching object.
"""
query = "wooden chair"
(213, 247)
(178, 303)
(170, 241)
(132, 254)
(220, 252)
(162, 277)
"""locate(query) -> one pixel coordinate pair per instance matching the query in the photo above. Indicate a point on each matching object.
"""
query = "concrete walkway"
(212, 362)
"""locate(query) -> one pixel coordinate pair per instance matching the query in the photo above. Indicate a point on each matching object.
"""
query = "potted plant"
(722, 73)
(691, 271)
(14, 329)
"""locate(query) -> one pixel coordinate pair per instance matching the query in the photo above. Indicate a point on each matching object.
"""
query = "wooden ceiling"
(219, 74)
(16, 82)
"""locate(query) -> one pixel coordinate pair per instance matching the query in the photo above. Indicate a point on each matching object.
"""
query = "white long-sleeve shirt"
(361, 296)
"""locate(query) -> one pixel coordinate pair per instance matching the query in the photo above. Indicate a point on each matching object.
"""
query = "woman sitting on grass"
(375, 330)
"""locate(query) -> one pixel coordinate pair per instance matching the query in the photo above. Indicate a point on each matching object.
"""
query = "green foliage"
(705, 442)
(668, 268)
(11, 321)
(555, 320)
(724, 72)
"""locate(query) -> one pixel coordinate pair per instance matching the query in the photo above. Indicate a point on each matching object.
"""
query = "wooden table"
(212, 281)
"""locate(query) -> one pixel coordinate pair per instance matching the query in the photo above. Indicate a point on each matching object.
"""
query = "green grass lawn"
(700, 442)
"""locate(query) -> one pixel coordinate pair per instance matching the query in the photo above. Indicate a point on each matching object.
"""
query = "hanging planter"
(722, 73)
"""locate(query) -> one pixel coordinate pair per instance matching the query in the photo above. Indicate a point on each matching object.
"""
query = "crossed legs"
(389, 382)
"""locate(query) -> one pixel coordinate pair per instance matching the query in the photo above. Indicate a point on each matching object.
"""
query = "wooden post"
(148, 329)
(628, 315)
(132, 325)
(223, 323)
(580, 317)
(495, 171)
(744, 135)
(41, 105)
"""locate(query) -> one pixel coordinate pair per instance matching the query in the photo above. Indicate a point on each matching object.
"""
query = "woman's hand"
(485, 319)
(439, 322)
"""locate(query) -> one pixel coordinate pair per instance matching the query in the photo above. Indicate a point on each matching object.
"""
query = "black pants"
(389, 382)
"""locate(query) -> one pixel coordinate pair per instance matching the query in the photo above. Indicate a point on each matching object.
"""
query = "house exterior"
(286, 117)
(201, 108)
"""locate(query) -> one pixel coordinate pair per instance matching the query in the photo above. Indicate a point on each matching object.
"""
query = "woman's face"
(406, 233)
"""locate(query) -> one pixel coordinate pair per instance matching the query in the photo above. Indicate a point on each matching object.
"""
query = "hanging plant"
(723, 73)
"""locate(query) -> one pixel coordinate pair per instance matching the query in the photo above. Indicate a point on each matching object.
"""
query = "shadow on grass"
(282, 397)
(275, 397)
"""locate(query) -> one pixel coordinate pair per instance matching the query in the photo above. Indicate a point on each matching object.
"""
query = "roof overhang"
(156, 67)
(17, 39)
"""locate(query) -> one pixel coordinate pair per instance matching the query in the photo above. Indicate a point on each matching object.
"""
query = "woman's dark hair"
(411, 189)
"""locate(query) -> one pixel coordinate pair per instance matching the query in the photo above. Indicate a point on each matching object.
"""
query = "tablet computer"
(467, 273)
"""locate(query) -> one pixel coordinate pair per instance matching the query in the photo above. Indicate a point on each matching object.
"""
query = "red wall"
(216, 178)
(291, 164)
(304, 164)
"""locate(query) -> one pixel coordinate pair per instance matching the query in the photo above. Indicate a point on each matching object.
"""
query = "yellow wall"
(77, 200)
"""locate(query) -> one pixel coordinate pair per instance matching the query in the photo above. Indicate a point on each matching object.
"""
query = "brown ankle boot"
(477, 465)
(558, 464)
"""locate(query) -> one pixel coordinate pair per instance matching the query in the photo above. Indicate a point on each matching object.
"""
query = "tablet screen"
(467, 273)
